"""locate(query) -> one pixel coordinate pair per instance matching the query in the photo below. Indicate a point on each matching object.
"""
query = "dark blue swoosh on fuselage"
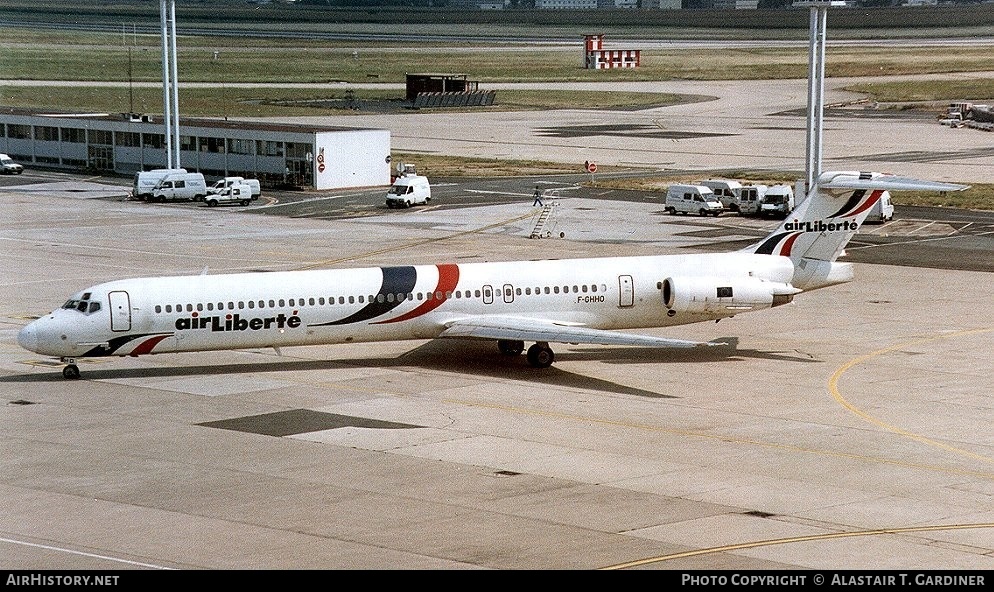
(396, 280)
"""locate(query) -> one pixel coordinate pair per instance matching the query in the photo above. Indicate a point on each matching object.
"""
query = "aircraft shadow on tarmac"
(471, 357)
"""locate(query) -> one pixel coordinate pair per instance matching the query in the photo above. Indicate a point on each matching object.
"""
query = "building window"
(21, 132)
(157, 141)
(269, 148)
(212, 145)
(236, 146)
(74, 135)
(46, 133)
(101, 137)
(127, 139)
(297, 150)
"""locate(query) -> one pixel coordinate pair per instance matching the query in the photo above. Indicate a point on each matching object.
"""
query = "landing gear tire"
(71, 372)
(540, 355)
(509, 347)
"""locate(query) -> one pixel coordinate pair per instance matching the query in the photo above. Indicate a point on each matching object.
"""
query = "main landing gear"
(540, 355)
(71, 371)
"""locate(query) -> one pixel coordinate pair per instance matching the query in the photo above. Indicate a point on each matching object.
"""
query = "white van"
(726, 191)
(749, 199)
(240, 193)
(778, 202)
(9, 167)
(883, 210)
(409, 190)
(692, 199)
(180, 186)
(146, 182)
(229, 181)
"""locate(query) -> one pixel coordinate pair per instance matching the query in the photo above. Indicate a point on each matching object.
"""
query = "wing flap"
(524, 329)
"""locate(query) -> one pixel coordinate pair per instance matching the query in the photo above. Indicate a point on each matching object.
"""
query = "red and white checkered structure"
(595, 57)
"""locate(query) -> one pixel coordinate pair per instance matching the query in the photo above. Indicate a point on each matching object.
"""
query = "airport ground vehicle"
(221, 184)
(168, 184)
(9, 167)
(727, 192)
(749, 198)
(777, 202)
(184, 186)
(145, 181)
(409, 190)
(692, 199)
(240, 193)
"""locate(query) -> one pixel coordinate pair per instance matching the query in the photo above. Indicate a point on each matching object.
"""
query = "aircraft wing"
(525, 329)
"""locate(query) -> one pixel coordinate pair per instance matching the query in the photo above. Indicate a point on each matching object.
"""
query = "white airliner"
(549, 301)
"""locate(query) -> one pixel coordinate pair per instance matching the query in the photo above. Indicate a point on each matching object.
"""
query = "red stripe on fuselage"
(146, 346)
(448, 277)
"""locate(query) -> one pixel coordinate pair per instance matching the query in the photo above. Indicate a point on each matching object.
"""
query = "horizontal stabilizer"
(883, 182)
(525, 329)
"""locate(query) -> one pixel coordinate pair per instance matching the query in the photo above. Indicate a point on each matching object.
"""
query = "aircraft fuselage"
(280, 309)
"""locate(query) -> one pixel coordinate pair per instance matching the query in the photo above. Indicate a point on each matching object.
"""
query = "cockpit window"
(83, 305)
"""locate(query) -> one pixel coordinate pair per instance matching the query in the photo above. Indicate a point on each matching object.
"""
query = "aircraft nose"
(28, 337)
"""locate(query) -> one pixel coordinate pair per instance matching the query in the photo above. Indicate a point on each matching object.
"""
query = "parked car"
(229, 181)
(240, 193)
(9, 167)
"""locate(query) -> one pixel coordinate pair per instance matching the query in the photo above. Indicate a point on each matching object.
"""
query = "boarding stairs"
(544, 223)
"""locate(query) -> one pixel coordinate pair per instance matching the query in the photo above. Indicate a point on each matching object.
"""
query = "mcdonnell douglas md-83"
(548, 301)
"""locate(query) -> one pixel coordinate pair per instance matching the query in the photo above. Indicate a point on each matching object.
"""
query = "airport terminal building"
(309, 157)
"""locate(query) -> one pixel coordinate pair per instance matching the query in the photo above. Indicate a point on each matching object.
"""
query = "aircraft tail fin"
(816, 233)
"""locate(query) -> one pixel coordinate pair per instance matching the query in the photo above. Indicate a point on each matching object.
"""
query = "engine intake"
(715, 295)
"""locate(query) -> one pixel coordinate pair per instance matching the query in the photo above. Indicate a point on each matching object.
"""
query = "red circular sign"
(592, 167)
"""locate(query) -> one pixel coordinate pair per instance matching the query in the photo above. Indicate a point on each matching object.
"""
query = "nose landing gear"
(71, 371)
